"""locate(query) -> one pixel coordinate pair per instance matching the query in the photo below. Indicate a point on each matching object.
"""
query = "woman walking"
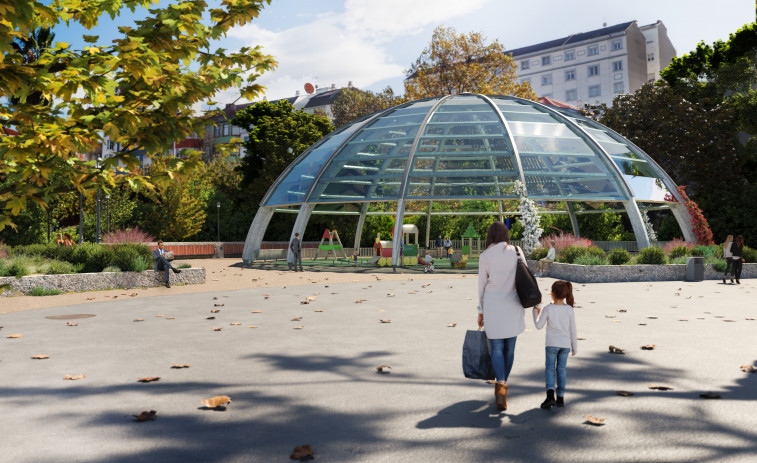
(499, 309)
(727, 255)
(736, 249)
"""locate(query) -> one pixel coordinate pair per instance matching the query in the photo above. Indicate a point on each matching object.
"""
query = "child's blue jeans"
(557, 358)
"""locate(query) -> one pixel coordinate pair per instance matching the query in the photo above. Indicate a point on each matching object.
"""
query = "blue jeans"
(559, 356)
(503, 354)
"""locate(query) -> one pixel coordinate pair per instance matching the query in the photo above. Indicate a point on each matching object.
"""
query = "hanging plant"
(529, 218)
(702, 229)
(648, 226)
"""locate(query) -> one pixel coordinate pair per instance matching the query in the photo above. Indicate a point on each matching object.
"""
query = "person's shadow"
(466, 414)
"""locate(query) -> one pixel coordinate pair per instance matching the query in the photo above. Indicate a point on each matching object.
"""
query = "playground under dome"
(468, 147)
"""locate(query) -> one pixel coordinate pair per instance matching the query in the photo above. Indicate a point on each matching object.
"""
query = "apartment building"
(593, 67)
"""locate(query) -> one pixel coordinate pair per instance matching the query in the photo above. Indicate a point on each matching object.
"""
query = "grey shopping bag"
(477, 361)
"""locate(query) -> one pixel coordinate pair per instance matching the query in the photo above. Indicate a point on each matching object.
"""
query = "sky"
(373, 43)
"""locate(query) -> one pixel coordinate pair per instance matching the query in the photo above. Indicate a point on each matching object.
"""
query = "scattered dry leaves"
(234, 323)
(215, 310)
(219, 304)
(148, 379)
(385, 320)
(649, 347)
(217, 329)
(257, 311)
(296, 319)
(660, 387)
(383, 368)
(318, 310)
(252, 326)
(299, 327)
(360, 301)
(146, 416)
(74, 377)
(710, 395)
(40, 357)
(451, 325)
(139, 319)
(594, 420)
(748, 368)
(216, 402)
(178, 366)
(15, 336)
(624, 393)
(616, 350)
(71, 324)
(302, 453)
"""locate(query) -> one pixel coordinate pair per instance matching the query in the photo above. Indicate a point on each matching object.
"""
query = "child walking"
(561, 338)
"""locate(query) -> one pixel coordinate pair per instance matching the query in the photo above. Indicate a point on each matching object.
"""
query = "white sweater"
(561, 326)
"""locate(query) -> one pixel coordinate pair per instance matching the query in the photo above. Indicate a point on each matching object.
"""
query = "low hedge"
(91, 257)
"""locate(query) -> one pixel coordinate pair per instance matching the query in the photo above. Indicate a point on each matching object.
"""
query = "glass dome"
(468, 147)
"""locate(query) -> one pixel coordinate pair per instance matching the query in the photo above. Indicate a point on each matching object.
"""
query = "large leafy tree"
(353, 103)
(138, 91)
(454, 63)
(277, 135)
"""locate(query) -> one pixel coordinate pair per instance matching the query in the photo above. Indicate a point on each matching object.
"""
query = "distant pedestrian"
(439, 246)
(296, 247)
(561, 339)
(447, 244)
(727, 255)
(737, 248)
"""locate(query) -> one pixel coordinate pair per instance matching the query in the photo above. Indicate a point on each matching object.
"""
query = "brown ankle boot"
(500, 393)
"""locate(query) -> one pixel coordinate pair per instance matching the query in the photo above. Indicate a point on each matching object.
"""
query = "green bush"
(719, 265)
(678, 260)
(652, 255)
(749, 255)
(125, 255)
(589, 259)
(40, 291)
(184, 265)
(569, 254)
(678, 251)
(707, 251)
(57, 267)
(595, 251)
(17, 269)
(141, 263)
(539, 253)
(111, 269)
(94, 257)
(618, 256)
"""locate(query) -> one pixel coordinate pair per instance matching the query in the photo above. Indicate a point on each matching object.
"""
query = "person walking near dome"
(737, 248)
(727, 255)
(500, 312)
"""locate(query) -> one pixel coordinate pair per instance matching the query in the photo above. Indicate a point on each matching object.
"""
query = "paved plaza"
(318, 384)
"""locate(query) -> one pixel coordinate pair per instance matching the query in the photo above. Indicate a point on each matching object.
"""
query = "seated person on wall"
(68, 241)
(161, 257)
(547, 260)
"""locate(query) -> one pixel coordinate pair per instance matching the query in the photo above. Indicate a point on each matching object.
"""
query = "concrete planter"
(99, 281)
(616, 273)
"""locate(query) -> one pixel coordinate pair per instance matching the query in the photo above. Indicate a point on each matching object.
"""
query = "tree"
(353, 103)
(30, 49)
(453, 64)
(277, 135)
(138, 91)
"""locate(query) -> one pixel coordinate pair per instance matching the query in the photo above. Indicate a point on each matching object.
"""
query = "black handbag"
(477, 361)
(525, 284)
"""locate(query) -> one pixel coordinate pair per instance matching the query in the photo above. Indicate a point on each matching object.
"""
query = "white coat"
(504, 317)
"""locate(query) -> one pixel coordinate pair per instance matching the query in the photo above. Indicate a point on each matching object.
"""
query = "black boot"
(560, 402)
(550, 400)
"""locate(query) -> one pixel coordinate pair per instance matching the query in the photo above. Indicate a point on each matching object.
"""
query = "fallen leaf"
(40, 357)
(615, 350)
(267, 296)
(427, 284)
(160, 315)
(451, 325)
(234, 323)
(381, 368)
(609, 316)
(729, 321)
(311, 298)
(624, 393)
(216, 402)
(252, 326)
(360, 301)
(594, 421)
(660, 387)
(148, 379)
(71, 324)
(74, 377)
(683, 319)
(748, 368)
(215, 310)
(385, 321)
(177, 366)
(622, 310)
(217, 329)
(90, 298)
(306, 301)
(210, 318)
(170, 318)
(648, 347)
(299, 327)
(749, 318)
(134, 294)
(652, 318)
(146, 416)
(581, 339)
(139, 319)
(642, 324)
(215, 298)
(710, 395)
(389, 294)
(257, 311)
(296, 319)
(13, 336)
(302, 453)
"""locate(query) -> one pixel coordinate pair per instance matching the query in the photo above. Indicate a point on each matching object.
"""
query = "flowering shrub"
(128, 235)
(701, 228)
(677, 243)
(529, 217)
(563, 240)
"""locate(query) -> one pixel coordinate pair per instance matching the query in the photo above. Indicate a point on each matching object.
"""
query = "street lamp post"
(81, 218)
(218, 220)
(107, 214)
(97, 238)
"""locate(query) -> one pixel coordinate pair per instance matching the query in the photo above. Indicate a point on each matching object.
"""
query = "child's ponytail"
(564, 290)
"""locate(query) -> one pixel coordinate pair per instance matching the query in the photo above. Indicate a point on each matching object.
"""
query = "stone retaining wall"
(615, 273)
(99, 281)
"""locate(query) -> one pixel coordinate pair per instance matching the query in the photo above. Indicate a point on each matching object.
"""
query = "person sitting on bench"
(161, 256)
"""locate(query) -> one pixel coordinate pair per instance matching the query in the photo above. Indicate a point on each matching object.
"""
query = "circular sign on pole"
(309, 88)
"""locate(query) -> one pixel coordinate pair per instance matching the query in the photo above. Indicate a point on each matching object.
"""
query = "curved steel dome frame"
(466, 147)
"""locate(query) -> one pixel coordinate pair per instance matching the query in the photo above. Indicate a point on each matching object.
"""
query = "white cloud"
(350, 46)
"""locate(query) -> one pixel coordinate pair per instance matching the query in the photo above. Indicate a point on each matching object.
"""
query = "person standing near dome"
(500, 312)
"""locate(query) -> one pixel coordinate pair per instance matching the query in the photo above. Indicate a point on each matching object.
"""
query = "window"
(235, 130)
(651, 77)
(617, 45)
(650, 57)
(216, 131)
(617, 87)
(595, 90)
(593, 70)
(546, 60)
(570, 55)
(525, 64)
(546, 79)
(111, 145)
(225, 130)
(570, 75)
(592, 50)
(617, 66)
(571, 95)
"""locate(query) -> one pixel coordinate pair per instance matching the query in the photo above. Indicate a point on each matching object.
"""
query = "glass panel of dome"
(292, 189)
(372, 163)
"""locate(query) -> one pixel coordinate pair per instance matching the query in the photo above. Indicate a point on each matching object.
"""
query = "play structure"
(471, 241)
(408, 251)
(335, 244)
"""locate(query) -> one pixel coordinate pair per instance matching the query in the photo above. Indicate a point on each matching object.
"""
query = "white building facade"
(594, 67)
